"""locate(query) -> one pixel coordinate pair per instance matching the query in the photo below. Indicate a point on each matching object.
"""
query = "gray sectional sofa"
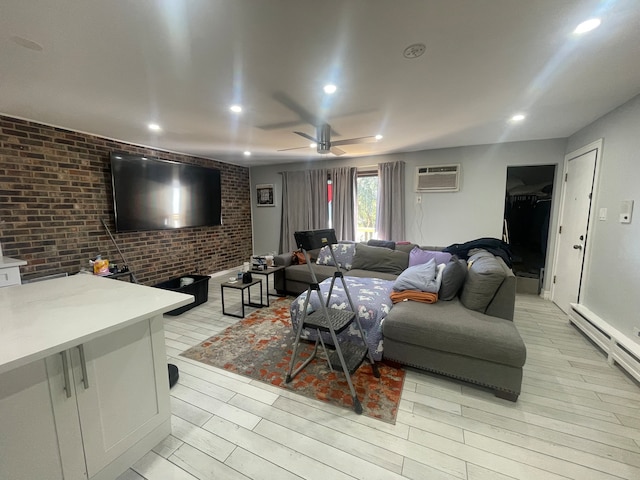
(470, 336)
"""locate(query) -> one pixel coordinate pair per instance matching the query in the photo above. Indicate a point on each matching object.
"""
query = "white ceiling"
(110, 68)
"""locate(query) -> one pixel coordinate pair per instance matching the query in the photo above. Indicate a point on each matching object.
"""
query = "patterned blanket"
(371, 301)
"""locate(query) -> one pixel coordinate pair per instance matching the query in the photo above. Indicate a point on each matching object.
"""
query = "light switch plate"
(602, 215)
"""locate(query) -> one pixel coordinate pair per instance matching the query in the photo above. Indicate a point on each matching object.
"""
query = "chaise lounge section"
(468, 334)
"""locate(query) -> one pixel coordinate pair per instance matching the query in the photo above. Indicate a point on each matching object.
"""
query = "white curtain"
(304, 204)
(344, 206)
(390, 208)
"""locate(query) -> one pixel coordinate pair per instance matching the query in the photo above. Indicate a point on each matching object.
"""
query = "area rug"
(260, 347)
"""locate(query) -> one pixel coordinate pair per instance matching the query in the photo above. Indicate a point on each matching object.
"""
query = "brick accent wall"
(55, 187)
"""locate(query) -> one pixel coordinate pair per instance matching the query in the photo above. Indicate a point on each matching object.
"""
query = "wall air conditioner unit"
(438, 178)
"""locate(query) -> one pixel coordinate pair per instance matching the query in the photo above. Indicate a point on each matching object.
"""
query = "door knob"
(577, 247)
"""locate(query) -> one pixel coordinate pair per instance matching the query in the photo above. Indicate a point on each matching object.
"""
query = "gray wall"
(442, 218)
(612, 281)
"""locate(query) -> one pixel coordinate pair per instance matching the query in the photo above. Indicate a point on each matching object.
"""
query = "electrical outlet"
(419, 199)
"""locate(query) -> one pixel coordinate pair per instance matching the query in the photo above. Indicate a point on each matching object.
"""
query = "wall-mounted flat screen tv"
(154, 194)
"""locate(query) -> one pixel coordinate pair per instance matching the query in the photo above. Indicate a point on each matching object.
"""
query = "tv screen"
(153, 194)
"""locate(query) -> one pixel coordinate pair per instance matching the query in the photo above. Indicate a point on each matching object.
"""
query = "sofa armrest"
(503, 303)
(283, 260)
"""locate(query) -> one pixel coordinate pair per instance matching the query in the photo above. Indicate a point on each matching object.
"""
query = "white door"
(573, 231)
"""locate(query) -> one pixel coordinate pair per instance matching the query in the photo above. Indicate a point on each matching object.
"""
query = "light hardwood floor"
(577, 417)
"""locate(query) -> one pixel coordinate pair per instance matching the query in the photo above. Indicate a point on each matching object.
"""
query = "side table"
(266, 273)
(238, 285)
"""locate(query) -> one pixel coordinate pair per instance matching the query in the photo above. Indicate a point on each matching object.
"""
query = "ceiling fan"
(325, 145)
(323, 130)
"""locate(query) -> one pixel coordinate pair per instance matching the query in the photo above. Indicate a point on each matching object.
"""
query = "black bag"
(246, 277)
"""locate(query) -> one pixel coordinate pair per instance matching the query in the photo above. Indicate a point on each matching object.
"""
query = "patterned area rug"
(260, 347)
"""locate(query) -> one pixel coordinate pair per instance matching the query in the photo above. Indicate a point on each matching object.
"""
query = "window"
(367, 198)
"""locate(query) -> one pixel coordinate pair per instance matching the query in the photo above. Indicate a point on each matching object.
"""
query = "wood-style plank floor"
(577, 417)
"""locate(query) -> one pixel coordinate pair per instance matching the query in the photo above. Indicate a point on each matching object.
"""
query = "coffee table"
(266, 273)
(238, 285)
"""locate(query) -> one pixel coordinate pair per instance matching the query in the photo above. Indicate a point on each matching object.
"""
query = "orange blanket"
(415, 295)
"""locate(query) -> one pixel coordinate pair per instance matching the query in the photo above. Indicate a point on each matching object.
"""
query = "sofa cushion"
(301, 273)
(379, 259)
(452, 279)
(405, 247)
(382, 243)
(370, 274)
(343, 252)
(450, 327)
(418, 256)
(484, 277)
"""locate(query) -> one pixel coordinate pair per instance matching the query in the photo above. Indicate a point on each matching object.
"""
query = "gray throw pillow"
(484, 277)
(379, 259)
(419, 277)
(452, 279)
(382, 243)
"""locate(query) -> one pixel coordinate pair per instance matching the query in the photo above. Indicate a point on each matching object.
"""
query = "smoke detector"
(414, 51)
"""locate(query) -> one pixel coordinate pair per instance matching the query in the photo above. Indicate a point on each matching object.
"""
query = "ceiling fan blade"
(292, 105)
(281, 125)
(294, 148)
(336, 151)
(353, 141)
(308, 137)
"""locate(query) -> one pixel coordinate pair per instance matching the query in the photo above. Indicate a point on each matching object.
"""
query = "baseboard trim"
(619, 348)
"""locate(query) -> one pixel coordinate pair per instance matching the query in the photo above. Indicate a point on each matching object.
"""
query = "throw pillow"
(425, 277)
(484, 277)
(418, 256)
(379, 259)
(382, 243)
(452, 278)
(418, 277)
(343, 252)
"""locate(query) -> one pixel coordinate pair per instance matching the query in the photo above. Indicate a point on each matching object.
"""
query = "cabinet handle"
(83, 365)
(65, 372)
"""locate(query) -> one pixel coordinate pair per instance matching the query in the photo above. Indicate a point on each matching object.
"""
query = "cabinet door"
(126, 394)
(29, 444)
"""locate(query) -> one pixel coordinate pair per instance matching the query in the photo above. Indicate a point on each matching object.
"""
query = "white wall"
(442, 218)
(612, 284)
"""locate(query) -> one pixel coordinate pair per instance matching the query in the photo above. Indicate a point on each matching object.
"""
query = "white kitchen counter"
(8, 262)
(43, 318)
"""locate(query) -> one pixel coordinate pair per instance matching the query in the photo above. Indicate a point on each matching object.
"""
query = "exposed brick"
(55, 187)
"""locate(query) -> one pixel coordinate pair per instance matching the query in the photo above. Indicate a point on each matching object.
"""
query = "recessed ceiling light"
(587, 26)
(247, 153)
(313, 145)
(518, 118)
(378, 137)
(329, 89)
(235, 108)
(155, 127)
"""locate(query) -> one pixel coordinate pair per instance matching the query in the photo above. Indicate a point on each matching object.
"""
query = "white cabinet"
(10, 271)
(108, 410)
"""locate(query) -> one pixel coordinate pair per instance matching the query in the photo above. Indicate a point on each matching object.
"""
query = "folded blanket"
(415, 295)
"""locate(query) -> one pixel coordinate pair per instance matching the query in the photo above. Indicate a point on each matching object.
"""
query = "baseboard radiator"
(619, 348)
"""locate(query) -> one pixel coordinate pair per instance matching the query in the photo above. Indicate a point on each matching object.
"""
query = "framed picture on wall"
(265, 195)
